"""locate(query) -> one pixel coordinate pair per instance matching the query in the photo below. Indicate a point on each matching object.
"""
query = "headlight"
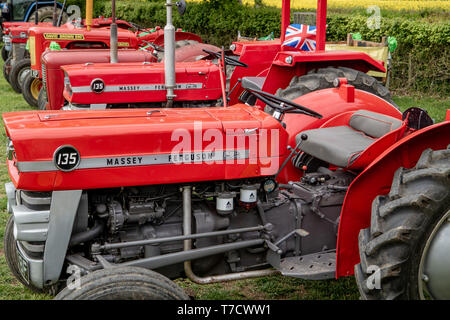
(10, 152)
(67, 84)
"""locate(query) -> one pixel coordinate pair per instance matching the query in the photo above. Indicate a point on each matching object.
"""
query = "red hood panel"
(113, 143)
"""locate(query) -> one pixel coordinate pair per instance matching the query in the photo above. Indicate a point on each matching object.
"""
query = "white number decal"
(67, 158)
(75, 13)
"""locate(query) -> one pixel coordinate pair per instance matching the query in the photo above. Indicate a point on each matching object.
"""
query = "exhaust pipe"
(55, 15)
(113, 38)
(89, 10)
(187, 230)
(169, 55)
(61, 14)
(36, 14)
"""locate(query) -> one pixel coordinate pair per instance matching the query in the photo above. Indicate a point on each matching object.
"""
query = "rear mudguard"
(376, 180)
(288, 64)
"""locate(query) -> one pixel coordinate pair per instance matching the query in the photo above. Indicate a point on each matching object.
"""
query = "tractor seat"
(253, 82)
(342, 145)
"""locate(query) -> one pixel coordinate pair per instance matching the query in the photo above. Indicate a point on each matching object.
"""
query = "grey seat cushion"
(373, 124)
(339, 146)
(253, 82)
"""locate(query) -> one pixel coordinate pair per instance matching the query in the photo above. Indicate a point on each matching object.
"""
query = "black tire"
(28, 88)
(9, 245)
(5, 54)
(319, 79)
(7, 69)
(401, 224)
(42, 99)
(46, 15)
(17, 74)
(124, 283)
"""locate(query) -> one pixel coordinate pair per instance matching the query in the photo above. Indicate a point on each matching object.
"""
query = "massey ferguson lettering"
(124, 161)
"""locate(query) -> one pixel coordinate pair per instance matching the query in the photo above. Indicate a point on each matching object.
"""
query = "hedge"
(420, 63)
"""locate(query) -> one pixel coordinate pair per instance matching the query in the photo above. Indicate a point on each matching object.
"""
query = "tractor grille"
(44, 77)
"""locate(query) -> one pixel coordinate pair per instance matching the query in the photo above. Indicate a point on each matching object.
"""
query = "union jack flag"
(300, 36)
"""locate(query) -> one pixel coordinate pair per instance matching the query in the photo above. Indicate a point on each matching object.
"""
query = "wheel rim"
(35, 88)
(434, 268)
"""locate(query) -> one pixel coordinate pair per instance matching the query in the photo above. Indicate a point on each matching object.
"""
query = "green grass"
(275, 287)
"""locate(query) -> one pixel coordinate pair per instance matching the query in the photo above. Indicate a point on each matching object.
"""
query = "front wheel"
(18, 73)
(123, 283)
(5, 54)
(30, 89)
(408, 243)
(10, 249)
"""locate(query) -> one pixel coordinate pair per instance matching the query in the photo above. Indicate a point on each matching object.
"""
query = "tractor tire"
(323, 78)
(42, 99)
(10, 250)
(18, 74)
(414, 214)
(46, 15)
(5, 54)
(124, 283)
(30, 90)
(7, 69)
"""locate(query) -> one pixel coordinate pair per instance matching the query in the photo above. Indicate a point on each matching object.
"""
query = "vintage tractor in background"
(266, 65)
(16, 11)
(314, 183)
(188, 48)
(95, 35)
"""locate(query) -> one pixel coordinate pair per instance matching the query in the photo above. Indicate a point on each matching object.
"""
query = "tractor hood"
(66, 150)
(138, 82)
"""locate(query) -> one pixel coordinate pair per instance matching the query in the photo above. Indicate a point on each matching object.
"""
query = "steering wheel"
(154, 46)
(228, 60)
(136, 26)
(283, 105)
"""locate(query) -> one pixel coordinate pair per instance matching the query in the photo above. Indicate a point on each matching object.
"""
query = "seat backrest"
(373, 124)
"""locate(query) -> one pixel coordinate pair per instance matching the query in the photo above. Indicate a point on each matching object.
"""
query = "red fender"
(376, 180)
(179, 35)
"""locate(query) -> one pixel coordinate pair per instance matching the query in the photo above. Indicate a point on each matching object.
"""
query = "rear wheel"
(30, 89)
(18, 74)
(409, 237)
(124, 283)
(46, 15)
(323, 78)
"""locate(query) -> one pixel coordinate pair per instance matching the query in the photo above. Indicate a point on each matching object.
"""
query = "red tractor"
(94, 39)
(263, 65)
(111, 204)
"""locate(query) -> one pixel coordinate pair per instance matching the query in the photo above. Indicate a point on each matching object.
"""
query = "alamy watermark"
(374, 280)
(374, 21)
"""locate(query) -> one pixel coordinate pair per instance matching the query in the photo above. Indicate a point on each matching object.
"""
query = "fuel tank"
(66, 150)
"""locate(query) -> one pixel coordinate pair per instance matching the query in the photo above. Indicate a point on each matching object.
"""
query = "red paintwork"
(53, 60)
(136, 74)
(157, 37)
(193, 52)
(133, 132)
(376, 180)
(332, 106)
(15, 32)
(99, 35)
(258, 55)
